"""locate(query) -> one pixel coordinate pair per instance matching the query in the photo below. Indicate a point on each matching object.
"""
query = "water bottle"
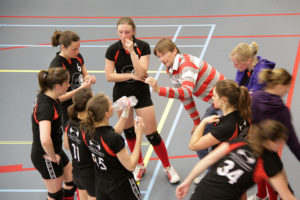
(124, 102)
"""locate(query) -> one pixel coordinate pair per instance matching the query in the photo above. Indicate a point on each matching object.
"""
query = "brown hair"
(266, 130)
(96, 108)
(56, 75)
(272, 77)
(128, 21)
(164, 45)
(237, 96)
(244, 51)
(64, 38)
(80, 100)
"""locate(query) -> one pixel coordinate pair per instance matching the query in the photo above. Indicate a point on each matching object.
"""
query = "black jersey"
(104, 146)
(236, 172)
(123, 63)
(46, 108)
(230, 126)
(74, 67)
(81, 157)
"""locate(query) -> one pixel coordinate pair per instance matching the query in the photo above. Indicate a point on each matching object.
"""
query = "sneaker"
(139, 171)
(254, 197)
(172, 174)
(199, 178)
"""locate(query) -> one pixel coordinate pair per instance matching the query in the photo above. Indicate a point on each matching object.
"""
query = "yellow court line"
(15, 142)
(159, 128)
(37, 71)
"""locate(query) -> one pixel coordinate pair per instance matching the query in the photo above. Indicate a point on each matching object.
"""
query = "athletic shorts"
(109, 188)
(84, 179)
(48, 169)
(141, 93)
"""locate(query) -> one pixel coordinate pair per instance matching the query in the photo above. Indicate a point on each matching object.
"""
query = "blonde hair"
(266, 130)
(238, 96)
(164, 45)
(273, 77)
(244, 51)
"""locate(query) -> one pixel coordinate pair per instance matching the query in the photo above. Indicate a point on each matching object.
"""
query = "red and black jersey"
(103, 148)
(236, 172)
(81, 157)
(123, 63)
(46, 108)
(230, 126)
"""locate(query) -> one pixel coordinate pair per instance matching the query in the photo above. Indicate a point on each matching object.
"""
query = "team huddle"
(238, 139)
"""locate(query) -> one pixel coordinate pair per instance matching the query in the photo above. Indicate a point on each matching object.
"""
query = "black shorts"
(109, 188)
(84, 179)
(48, 169)
(141, 91)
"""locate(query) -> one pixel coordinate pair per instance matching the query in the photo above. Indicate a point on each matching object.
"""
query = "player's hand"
(153, 83)
(211, 119)
(128, 45)
(139, 126)
(56, 159)
(182, 190)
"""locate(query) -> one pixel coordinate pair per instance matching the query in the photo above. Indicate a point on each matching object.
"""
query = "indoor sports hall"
(208, 29)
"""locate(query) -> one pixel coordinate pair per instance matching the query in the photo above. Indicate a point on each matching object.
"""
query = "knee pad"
(69, 192)
(57, 195)
(130, 133)
(154, 138)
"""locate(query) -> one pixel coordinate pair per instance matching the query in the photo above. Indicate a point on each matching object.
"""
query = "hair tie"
(45, 74)
(252, 47)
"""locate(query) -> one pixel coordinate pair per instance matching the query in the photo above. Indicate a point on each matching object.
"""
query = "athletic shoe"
(199, 178)
(139, 171)
(254, 197)
(172, 174)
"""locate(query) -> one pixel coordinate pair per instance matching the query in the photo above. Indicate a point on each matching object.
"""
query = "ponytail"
(64, 38)
(48, 79)
(79, 100)
(243, 51)
(96, 108)
(244, 103)
(238, 97)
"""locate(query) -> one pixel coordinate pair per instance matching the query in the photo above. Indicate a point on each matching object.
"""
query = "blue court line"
(158, 165)
(98, 46)
(99, 26)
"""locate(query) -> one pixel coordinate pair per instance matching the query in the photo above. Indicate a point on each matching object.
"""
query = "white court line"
(175, 122)
(100, 26)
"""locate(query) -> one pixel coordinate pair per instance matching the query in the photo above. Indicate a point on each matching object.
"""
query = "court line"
(175, 122)
(30, 142)
(151, 17)
(84, 46)
(89, 71)
(294, 75)
(100, 26)
(180, 37)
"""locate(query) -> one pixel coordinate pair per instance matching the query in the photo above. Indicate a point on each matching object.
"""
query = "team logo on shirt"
(79, 68)
(74, 134)
(243, 128)
(95, 144)
(127, 70)
(77, 80)
(95, 147)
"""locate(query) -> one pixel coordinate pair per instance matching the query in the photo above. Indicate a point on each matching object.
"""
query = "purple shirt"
(269, 106)
(253, 84)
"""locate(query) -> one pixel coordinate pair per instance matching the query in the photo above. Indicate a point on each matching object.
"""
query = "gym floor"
(206, 28)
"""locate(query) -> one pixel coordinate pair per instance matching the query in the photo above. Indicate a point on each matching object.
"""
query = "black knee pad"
(154, 138)
(69, 192)
(57, 195)
(130, 133)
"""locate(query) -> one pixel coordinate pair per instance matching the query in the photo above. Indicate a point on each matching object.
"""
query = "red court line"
(181, 37)
(294, 75)
(152, 17)
(14, 168)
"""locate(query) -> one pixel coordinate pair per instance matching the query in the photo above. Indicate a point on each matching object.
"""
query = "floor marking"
(150, 17)
(86, 46)
(15, 142)
(294, 75)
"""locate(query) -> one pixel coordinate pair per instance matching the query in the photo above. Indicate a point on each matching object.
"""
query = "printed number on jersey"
(99, 162)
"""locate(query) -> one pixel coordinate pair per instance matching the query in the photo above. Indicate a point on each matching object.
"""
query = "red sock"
(162, 153)
(131, 144)
(261, 189)
(272, 193)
